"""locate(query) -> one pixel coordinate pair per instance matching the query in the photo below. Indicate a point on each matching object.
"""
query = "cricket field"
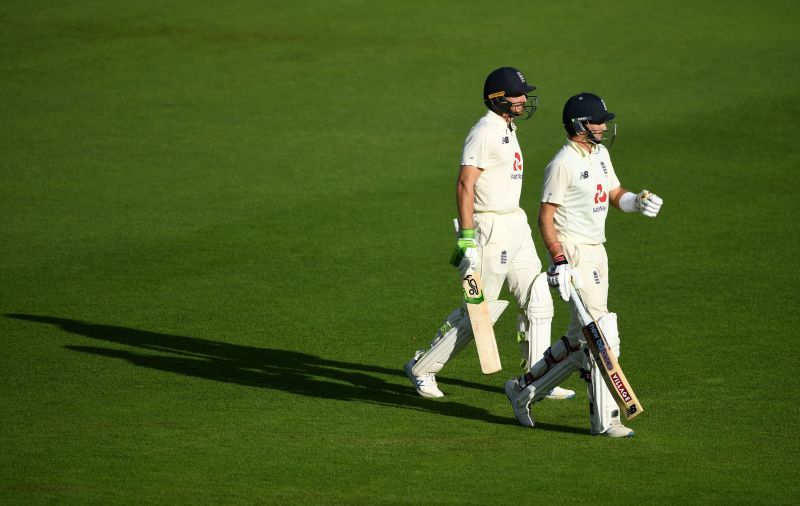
(225, 227)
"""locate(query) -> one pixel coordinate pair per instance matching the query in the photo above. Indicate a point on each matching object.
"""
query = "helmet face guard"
(581, 125)
(529, 106)
(498, 103)
(610, 134)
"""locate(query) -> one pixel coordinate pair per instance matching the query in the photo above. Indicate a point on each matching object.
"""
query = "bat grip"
(585, 317)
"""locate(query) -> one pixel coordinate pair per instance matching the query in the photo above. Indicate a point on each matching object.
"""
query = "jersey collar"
(499, 121)
(577, 147)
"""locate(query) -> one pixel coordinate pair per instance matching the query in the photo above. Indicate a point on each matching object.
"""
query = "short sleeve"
(613, 180)
(556, 182)
(475, 152)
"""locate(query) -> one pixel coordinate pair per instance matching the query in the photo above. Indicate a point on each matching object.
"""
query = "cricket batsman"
(579, 186)
(494, 237)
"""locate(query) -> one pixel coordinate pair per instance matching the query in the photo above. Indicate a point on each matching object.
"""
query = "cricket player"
(494, 238)
(579, 185)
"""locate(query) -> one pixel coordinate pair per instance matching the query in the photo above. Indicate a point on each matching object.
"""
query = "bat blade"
(481, 322)
(610, 369)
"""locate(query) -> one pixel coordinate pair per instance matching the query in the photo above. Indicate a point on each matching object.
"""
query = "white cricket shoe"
(424, 383)
(559, 393)
(521, 411)
(616, 430)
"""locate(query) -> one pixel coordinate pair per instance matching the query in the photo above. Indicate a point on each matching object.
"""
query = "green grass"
(225, 227)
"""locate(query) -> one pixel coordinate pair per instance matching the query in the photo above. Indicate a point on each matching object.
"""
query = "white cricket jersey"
(580, 183)
(492, 146)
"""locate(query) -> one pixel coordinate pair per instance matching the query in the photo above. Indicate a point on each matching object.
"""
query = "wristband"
(557, 253)
(467, 233)
(627, 203)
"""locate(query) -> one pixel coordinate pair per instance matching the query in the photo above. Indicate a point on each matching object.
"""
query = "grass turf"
(225, 228)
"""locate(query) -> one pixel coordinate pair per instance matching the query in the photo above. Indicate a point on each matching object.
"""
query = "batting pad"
(453, 335)
(536, 322)
(558, 362)
(608, 324)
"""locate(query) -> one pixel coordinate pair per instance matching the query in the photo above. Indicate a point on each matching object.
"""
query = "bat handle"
(576, 299)
(573, 293)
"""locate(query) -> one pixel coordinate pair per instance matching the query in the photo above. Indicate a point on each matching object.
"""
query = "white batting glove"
(560, 275)
(649, 204)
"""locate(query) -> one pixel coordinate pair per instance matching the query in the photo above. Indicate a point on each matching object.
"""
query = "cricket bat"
(480, 320)
(478, 311)
(609, 367)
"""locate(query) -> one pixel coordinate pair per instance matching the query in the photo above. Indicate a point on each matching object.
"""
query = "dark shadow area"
(289, 371)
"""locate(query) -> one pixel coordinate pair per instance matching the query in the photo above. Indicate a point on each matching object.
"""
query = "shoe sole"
(621, 436)
(560, 397)
(628, 436)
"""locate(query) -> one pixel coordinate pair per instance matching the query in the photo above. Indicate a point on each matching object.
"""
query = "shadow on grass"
(289, 371)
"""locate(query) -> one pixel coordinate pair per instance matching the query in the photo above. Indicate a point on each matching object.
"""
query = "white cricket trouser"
(591, 262)
(506, 253)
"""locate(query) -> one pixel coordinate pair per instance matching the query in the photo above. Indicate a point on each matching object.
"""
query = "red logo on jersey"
(600, 196)
(517, 161)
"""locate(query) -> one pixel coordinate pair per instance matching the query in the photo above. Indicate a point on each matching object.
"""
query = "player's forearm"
(465, 202)
(548, 230)
(550, 239)
(616, 194)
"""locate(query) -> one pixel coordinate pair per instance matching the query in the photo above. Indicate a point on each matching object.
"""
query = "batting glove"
(649, 204)
(561, 274)
(469, 263)
(465, 257)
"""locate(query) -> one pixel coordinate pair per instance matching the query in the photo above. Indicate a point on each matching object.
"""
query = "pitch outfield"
(225, 228)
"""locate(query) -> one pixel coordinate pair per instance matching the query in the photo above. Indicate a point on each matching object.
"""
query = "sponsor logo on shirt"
(599, 198)
(583, 175)
(504, 140)
(517, 169)
(603, 165)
